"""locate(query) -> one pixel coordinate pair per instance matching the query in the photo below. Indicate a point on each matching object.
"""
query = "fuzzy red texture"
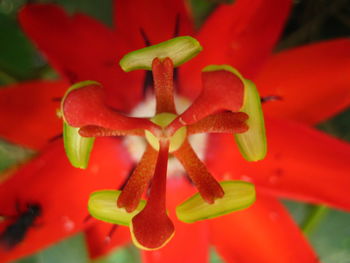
(86, 106)
(191, 242)
(139, 180)
(152, 227)
(222, 90)
(206, 184)
(164, 85)
(247, 32)
(222, 122)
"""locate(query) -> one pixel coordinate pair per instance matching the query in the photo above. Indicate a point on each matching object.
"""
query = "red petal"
(190, 243)
(62, 191)
(157, 20)
(241, 34)
(97, 238)
(301, 163)
(263, 233)
(28, 112)
(313, 81)
(81, 48)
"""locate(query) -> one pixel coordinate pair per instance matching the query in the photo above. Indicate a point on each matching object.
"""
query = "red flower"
(302, 163)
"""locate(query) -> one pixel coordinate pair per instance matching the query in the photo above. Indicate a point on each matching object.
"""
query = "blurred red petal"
(302, 163)
(62, 191)
(313, 81)
(190, 243)
(28, 112)
(98, 241)
(82, 48)
(241, 35)
(263, 233)
(158, 21)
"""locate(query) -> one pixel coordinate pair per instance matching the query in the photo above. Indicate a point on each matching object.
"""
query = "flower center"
(163, 120)
(226, 102)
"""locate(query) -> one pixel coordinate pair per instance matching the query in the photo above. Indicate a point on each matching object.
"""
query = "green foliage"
(18, 56)
(11, 154)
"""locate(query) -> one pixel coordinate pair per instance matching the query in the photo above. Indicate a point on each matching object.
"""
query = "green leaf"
(179, 50)
(11, 155)
(238, 195)
(70, 250)
(126, 254)
(103, 206)
(17, 56)
(331, 237)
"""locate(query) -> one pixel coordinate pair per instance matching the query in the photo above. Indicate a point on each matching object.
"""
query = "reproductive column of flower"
(228, 103)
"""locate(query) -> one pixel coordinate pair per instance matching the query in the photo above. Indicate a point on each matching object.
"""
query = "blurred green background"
(311, 20)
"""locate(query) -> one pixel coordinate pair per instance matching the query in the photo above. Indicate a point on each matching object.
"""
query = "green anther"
(252, 143)
(77, 148)
(103, 206)
(163, 120)
(179, 50)
(238, 195)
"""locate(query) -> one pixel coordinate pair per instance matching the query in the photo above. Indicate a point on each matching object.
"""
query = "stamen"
(145, 37)
(151, 228)
(97, 131)
(85, 106)
(222, 90)
(270, 98)
(223, 122)
(177, 25)
(111, 233)
(206, 184)
(56, 137)
(138, 182)
(163, 85)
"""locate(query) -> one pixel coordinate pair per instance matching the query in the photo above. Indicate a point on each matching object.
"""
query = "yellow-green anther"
(103, 206)
(179, 50)
(252, 143)
(77, 148)
(238, 195)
